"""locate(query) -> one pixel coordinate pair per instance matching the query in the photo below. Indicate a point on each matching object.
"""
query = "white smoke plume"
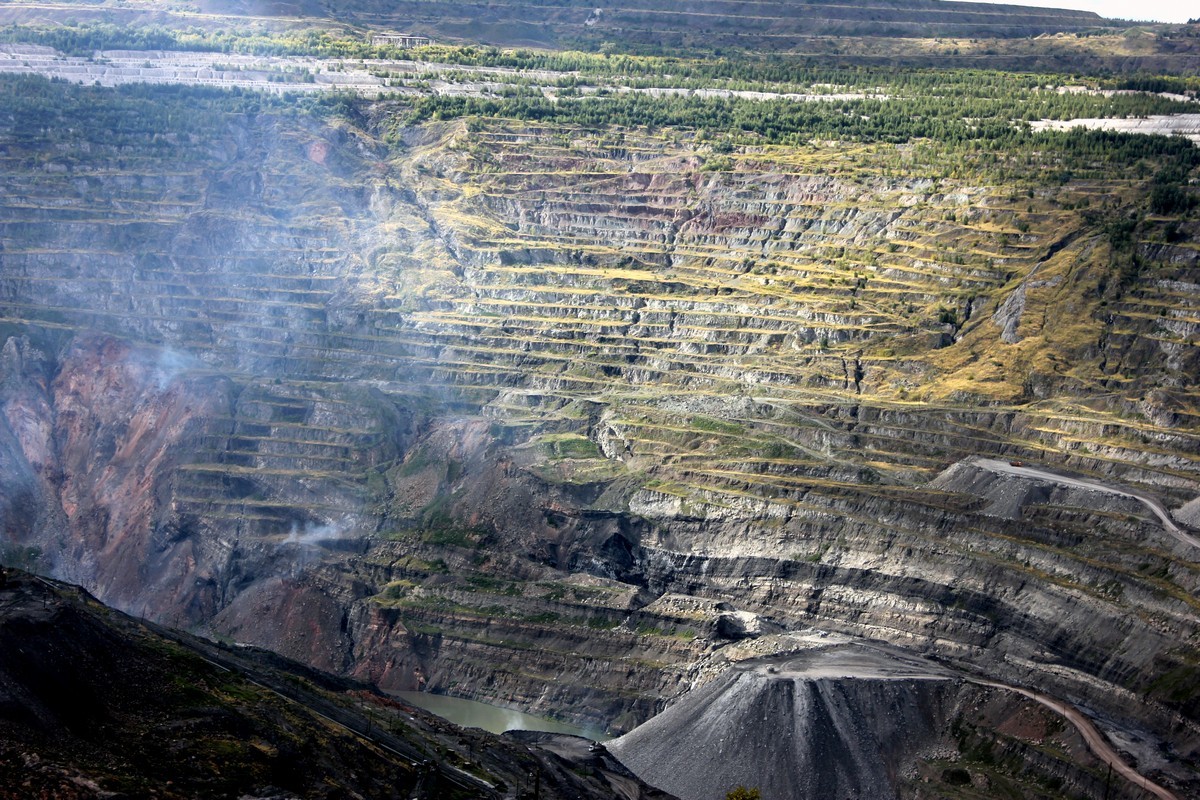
(170, 364)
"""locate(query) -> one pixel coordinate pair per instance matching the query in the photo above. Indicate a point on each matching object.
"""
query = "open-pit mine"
(823, 429)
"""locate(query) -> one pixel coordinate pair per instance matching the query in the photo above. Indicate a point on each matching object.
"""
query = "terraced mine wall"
(528, 414)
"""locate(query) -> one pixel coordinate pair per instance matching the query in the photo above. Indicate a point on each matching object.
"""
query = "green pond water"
(473, 714)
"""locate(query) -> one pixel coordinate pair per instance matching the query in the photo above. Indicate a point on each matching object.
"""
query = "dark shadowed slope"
(93, 703)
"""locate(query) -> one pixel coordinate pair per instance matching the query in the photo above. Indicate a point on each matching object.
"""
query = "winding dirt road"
(1147, 500)
(1095, 741)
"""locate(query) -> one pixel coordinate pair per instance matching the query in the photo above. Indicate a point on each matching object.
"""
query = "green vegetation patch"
(570, 445)
(711, 425)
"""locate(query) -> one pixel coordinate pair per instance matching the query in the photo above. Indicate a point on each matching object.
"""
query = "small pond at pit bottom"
(473, 714)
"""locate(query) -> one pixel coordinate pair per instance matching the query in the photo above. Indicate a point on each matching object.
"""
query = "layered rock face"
(546, 416)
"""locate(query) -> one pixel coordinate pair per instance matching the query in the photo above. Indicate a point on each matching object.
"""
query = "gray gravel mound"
(1189, 514)
(834, 724)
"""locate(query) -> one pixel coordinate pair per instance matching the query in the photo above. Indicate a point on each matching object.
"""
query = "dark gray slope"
(836, 722)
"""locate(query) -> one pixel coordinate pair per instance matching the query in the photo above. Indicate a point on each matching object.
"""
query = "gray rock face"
(1008, 315)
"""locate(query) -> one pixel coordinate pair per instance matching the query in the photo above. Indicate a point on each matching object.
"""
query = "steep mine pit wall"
(518, 632)
(867, 560)
(540, 302)
(269, 727)
(566, 356)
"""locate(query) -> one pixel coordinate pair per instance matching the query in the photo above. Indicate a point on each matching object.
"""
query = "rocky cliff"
(544, 416)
